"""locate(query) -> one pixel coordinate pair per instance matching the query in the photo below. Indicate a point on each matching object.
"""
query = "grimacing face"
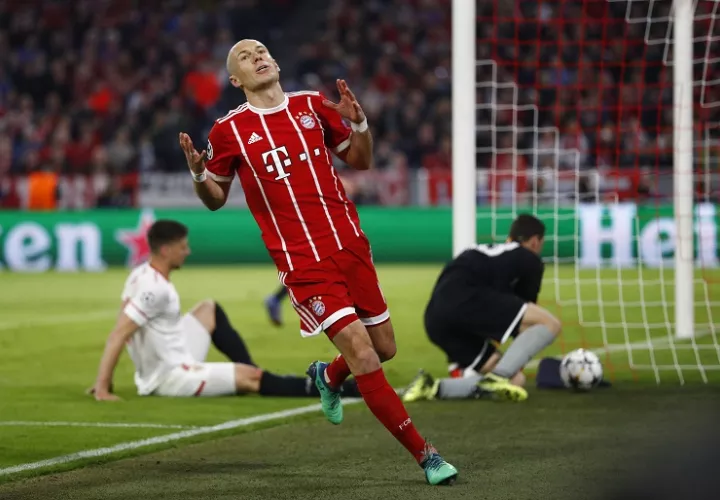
(251, 66)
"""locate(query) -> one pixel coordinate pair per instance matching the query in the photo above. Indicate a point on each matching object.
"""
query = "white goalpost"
(683, 167)
(463, 125)
(636, 280)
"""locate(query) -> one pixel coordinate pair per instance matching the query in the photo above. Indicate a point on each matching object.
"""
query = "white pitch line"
(129, 425)
(58, 319)
(132, 445)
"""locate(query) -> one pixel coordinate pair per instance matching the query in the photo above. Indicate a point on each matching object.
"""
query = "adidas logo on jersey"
(254, 138)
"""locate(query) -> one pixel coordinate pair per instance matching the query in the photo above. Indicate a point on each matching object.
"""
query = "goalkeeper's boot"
(423, 387)
(437, 470)
(498, 388)
(329, 397)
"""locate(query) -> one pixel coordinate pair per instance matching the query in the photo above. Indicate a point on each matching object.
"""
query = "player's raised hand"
(348, 106)
(195, 160)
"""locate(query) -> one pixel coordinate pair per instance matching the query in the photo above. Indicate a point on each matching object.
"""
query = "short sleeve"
(222, 157)
(337, 133)
(146, 304)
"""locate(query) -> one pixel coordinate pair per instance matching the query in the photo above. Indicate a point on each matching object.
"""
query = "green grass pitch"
(53, 328)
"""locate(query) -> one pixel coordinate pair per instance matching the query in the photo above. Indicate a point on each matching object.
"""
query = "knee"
(208, 305)
(365, 358)
(387, 351)
(553, 324)
(205, 307)
(368, 360)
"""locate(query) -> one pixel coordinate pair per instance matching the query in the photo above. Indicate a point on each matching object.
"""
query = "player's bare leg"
(204, 312)
(383, 340)
(356, 347)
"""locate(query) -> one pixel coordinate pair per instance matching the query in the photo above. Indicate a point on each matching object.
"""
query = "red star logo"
(136, 241)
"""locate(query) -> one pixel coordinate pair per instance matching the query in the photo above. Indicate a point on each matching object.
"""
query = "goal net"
(583, 118)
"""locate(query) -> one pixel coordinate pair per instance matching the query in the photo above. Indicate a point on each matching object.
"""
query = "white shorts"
(197, 338)
(200, 378)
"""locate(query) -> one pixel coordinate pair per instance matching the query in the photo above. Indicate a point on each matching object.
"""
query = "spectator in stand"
(78, 76)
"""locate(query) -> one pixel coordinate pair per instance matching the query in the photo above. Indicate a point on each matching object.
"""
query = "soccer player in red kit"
(279, 145)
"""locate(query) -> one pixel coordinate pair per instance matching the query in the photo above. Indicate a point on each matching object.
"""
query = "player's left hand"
(348, 106)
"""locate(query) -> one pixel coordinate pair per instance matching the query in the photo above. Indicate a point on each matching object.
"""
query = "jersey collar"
(269, 111)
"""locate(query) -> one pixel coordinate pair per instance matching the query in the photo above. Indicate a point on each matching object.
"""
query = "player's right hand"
(106, 396)
(103, 395)
(195, 160)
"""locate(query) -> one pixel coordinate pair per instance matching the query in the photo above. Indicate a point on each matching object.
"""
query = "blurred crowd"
(104, 86)
(604, 83)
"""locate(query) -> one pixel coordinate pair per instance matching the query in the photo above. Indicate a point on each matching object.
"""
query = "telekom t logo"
(280, 160)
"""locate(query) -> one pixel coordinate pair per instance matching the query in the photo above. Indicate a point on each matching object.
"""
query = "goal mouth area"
(601, 119)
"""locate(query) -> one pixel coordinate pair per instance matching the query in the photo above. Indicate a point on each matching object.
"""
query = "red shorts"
(336, 291)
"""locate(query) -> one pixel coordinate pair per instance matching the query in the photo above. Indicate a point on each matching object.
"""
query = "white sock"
(523, 349)
(458, 388)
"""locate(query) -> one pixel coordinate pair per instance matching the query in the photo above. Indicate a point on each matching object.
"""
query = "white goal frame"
(464, 206)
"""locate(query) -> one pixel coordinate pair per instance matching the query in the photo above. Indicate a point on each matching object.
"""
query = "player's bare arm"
(212, 193)
(123, 330)
(359, 155)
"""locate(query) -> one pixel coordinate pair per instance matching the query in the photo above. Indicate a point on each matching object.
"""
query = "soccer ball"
(581, 370)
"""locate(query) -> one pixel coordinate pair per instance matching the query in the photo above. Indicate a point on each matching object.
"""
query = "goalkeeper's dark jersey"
(505, 268)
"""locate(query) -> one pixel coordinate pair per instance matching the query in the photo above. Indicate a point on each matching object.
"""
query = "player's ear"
(235, 82)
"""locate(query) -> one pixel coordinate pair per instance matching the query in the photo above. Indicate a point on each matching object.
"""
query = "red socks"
(385, 404)
(337, 371)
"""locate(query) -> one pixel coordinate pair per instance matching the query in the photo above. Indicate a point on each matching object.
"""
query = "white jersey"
(159, 345)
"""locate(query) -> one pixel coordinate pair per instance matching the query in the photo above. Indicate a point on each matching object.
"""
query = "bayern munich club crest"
(306, 120)
(317, 306)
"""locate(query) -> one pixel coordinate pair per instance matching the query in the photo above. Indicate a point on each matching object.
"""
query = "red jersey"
(282, 157)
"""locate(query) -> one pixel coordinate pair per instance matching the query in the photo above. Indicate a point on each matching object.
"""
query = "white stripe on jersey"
(238, 110)
(303, 92)
(332, 169)
(314, 175)
(292, 194)
(262, 192)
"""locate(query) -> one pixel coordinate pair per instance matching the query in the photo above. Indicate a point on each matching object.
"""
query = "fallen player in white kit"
(169, 348)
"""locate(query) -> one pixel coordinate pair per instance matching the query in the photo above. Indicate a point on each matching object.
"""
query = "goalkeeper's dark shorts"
(468, 330)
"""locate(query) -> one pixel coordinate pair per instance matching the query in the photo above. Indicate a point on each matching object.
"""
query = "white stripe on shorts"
(329, 321)
(512, 326)
(376, 320)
